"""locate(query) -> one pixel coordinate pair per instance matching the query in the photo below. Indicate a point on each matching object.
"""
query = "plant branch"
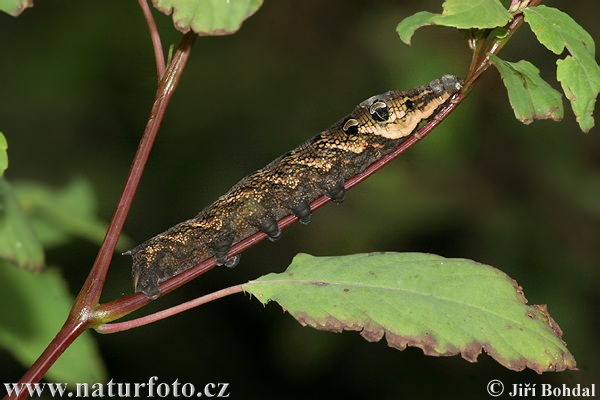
(494, 47)
(67, 335)
(169, 312)
(84, 313)
(159, 55)
(92, 288)
(478, 50)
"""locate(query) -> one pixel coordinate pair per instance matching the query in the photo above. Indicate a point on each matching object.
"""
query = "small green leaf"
(3, 154)
(530, 96)
(462, 14)
(15, 7)
(33, 308)
(578, 73)
(57, 215)
(208, 17)
(407, 27)
(18, 243)
(443, 306)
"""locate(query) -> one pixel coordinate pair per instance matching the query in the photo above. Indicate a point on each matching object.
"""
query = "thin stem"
(159, 55)
(84, 313)
(494, 47)
(477, 51)
(63, 339)
(92, 288)
(169, 312)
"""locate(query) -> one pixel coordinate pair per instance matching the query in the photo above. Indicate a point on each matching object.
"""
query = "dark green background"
(77, 84)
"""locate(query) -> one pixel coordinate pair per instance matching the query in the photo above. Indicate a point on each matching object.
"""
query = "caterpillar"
(288, 185)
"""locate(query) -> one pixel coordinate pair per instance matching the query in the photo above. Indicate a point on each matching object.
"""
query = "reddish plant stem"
(494, 47)
(83, 314)
(159, 55)
(134, 323)
(477, 52)
(63, 339)
(92, 288)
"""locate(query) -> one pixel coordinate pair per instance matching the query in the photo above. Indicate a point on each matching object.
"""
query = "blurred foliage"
(524, 199)
(58, 215)
(33, 308)
(18, 244)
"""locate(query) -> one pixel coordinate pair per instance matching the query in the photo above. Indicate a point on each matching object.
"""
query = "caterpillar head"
(396, 114)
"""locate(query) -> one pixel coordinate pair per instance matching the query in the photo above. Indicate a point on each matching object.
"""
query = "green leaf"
(462, 14)
(15, 7)
(208, 17)
(3, 154)
(58, 215)
(18, 243)
(407, 27)
(443, 306)
(530, 96)
(578, 73)
(33, 308)
(473, 14)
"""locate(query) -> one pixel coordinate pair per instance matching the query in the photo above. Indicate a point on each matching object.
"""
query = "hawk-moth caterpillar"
(288, 185)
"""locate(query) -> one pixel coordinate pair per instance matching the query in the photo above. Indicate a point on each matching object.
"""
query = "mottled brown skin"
(289, 184)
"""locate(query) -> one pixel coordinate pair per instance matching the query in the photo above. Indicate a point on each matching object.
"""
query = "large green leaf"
(18, 242)
(33, 308)
(15, 7)
(462, 14)
(578, 73)
(208, 17)
(444, 306)
(530, 96)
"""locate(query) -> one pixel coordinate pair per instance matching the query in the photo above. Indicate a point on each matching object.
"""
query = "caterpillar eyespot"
(379, 111)
(350, 126)
(288, 185)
